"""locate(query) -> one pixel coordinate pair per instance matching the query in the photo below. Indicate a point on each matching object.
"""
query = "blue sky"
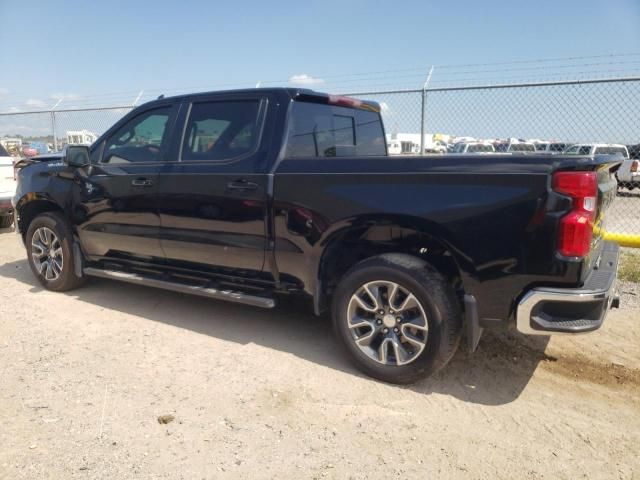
(111, 50)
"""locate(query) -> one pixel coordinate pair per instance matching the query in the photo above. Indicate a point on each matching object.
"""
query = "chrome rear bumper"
(545, 311)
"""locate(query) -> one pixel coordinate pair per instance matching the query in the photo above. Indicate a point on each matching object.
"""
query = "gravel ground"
(116, 381)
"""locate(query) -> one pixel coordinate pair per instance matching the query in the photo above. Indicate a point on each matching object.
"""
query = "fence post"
(424, 106)
(53, 130)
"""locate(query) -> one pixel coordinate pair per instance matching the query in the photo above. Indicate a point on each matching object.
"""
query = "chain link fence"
(582, 117)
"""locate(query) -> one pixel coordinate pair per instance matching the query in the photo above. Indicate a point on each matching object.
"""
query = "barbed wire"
(444, 75)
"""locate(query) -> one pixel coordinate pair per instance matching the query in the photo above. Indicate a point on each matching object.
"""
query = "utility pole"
(137, 98)
(53, 125)
(424, 104)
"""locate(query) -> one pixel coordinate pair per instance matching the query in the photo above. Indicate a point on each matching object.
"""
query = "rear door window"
(221, 130)
(319, 130)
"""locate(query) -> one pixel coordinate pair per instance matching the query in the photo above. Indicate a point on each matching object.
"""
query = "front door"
(115, 198)
(212, 200)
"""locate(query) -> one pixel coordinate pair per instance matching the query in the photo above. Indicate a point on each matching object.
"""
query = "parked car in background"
(28, 150)
(514, 145)
(435, 147)
(473, 147)
(521, 147)
(597, 149)
(628, 174)
(551, 147)
(634, 151)
(7, 187)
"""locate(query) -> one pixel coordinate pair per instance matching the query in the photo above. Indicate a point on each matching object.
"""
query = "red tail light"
(576, 227)
(634, 166)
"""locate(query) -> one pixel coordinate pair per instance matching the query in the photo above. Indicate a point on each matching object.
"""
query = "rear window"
(318, 130)
(557, 147)
(3, 152)
(522, 147)
(612, 151)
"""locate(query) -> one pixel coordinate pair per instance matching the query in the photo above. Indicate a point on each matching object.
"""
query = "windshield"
(612, 151)
(3, 152)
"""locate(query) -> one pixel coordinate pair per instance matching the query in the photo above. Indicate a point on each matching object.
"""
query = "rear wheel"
(6, 221)
(50, 252)
(397, 317)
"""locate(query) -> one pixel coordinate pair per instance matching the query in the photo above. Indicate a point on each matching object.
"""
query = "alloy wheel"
(46, 252)
(387, 323)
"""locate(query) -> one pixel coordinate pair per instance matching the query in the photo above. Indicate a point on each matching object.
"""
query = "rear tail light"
(634, 166)
(576, 227)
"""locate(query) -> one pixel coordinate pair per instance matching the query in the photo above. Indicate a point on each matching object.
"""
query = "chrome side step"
(228, 295)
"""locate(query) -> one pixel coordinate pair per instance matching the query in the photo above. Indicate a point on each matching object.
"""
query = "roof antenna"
(160, 97)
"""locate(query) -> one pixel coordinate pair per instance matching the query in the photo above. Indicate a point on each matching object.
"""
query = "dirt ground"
(267, 394)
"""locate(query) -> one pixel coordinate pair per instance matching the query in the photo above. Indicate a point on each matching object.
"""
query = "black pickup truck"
(250, 195)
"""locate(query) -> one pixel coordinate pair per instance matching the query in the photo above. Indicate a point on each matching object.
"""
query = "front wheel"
(50, 252)
(397, 317)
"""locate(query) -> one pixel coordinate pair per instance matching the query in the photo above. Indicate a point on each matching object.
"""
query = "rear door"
(212, 198)
(116, 196)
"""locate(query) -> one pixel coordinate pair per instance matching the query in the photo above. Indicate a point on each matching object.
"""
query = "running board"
(228, 295)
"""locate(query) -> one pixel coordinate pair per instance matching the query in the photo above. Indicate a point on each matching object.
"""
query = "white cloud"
(4, 92)
(64, 96)
(304, 79)
(35, 102)
(13, 110)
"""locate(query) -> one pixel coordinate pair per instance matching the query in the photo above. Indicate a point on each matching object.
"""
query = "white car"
(473, 147)
(629, 172)
(515, 146)
(597, 149)
(551, 147)
(7, 188)
(521, 147)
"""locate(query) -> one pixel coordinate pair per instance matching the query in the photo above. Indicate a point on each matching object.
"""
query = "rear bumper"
(545, 311)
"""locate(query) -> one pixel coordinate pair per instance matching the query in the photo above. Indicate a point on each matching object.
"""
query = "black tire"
(67, 279)
(442, 309)
(6, 221)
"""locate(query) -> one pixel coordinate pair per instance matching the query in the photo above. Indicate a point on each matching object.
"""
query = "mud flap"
(474, 330)
(78, 266)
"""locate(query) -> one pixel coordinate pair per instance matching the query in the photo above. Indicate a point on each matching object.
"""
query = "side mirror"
(77, 155)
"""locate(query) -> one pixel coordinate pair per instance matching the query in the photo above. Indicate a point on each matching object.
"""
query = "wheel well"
(31, 210)
(356, 245)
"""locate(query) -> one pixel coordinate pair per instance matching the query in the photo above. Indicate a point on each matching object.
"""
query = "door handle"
(141, 182)
(242, 185)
